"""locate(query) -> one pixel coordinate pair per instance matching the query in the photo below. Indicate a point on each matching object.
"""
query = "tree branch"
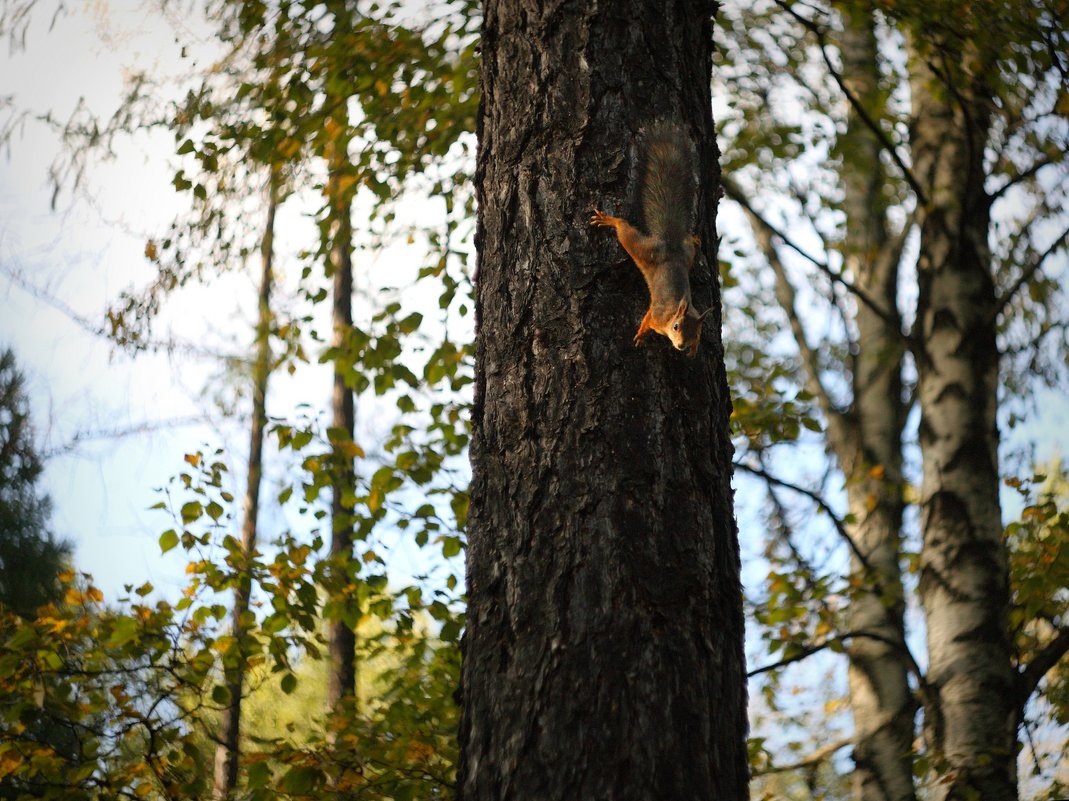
(808, 650)
(1020, 177)
(816, 757)
(862, 113)
(1029, 273)
(821, 504)
(733, 191)
(1049, 656)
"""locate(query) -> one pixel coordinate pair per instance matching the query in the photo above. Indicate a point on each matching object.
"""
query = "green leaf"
(168, 540)
(259, 774)
(410, 323)
(125, 629)
(450, 546)
(289, 683)
(300, 780)
(191, 511)
(53, 660)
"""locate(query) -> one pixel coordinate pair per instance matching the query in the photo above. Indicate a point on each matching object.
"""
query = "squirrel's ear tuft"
(702, 315)
(682, 309)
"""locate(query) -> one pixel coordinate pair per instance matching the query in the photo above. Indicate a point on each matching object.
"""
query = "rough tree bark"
(228, 749)
(867, 441)
(603, 651)
(964, 585)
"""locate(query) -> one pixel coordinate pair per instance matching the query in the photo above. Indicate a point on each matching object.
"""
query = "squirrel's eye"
(675, 327)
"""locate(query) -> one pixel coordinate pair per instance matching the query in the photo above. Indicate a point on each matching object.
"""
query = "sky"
(59, 268)
(117, 428)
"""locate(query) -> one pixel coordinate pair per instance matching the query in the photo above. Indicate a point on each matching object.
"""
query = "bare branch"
(46, 296)
(1023, 176)
(862, 113)
(805, 652)
(821, 504)
(808, 650)
(733, 191)
(1049, 656)
(134, 429)
(815, 758)
(1030, 272)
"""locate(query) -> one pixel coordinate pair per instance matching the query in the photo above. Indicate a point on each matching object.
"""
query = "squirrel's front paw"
(601, 218)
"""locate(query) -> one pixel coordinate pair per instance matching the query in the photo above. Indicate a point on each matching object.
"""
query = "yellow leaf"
(344, 183)
(9, 762)
(288, 147)
(94, 594)
(877, 472)
(350, 449)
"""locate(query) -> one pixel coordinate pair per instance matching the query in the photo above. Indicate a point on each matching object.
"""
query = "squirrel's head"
(685, 327)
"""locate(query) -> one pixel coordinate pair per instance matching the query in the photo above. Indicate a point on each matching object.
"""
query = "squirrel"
(666, 253)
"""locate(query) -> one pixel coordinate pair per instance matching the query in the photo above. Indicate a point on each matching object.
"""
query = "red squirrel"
(666, 253)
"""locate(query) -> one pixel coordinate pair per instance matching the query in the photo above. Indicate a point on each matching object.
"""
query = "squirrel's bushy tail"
(669, 185)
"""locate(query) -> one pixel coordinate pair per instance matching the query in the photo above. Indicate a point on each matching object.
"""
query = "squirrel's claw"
(603, 219)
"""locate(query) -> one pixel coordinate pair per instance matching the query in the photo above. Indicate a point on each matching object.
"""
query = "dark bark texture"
(603, 653)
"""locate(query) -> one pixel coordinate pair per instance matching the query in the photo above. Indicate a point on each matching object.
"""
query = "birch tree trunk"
(969, 714)
(228, 749)
(603, 651)
(868, 443)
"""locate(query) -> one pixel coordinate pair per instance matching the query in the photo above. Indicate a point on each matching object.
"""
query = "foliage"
(1039, 574)
(143, 684)
(135, 689)
(782, 112)
(30, 556)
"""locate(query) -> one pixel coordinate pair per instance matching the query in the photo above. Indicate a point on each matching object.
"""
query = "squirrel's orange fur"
(665, 254)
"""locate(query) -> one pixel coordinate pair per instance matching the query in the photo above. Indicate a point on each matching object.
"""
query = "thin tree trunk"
(869, 445)
(341, 675)
(603, 650)
(964, 586)
(228, 749)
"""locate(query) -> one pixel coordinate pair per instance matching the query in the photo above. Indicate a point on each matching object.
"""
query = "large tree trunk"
(227, 751)
(868, 443)
(969, 716)
(603, 652)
